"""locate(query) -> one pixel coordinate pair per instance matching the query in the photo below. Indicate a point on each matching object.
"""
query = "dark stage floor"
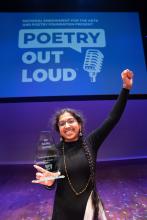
(121, 185)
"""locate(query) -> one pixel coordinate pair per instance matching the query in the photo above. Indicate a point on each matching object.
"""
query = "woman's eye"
(70, 121)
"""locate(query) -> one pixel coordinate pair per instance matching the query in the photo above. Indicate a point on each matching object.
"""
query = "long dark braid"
(92, 164)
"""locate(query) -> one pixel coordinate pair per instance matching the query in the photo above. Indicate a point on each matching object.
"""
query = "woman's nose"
(67, 124)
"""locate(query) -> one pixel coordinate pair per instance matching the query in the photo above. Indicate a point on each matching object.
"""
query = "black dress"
(67, 205)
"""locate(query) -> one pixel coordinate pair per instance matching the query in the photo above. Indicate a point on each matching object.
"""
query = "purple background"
(22, 122)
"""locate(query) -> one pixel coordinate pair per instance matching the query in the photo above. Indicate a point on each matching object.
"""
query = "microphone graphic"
(93, 63)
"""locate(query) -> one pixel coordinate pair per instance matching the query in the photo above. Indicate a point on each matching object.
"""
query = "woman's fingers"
(127, 77)
(46, 172)
(44, 176)
(127, 73)
(40, 169)
(39, 175)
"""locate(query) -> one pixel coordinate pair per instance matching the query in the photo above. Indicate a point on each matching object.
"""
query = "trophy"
(47, 153)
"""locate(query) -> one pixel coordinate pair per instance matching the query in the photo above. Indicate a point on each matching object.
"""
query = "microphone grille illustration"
(93, 63)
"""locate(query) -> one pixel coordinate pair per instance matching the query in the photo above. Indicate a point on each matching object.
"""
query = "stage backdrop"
(22, 122)
(52, 54)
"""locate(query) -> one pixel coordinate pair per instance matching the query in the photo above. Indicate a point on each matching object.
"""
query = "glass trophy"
(47, 154)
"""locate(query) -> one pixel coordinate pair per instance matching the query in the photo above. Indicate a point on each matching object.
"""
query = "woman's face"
(69, 127)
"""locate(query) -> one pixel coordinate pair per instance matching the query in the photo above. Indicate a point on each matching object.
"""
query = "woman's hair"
(79, 117)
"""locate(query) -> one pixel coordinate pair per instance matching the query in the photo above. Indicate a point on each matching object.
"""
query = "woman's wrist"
(127, 86)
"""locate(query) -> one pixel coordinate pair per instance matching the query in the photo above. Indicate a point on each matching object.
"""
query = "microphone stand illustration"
(93, 63)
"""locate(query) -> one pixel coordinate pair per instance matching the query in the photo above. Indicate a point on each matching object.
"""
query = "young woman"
(76, 197)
